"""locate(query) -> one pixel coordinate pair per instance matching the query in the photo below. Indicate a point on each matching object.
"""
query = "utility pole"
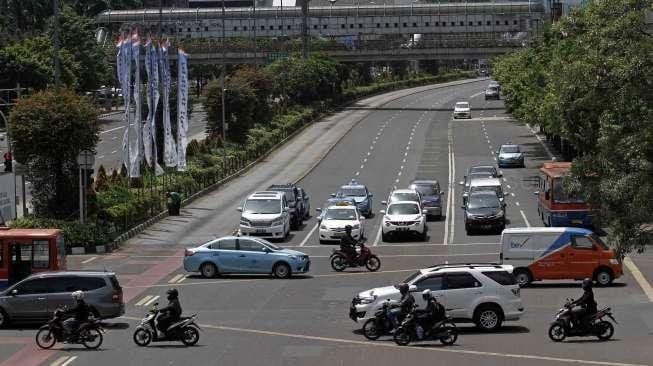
(255, 64)
(57, 65)
(305, 39)
(222, 76)
(160, 18)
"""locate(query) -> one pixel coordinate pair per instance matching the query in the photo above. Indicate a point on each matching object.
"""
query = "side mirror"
(425, 212)
(382, 212)
(362, 218)
(412, 288)
(239, 209)
(461, 183)
(332, 195)
(384, 202)
(370, 195)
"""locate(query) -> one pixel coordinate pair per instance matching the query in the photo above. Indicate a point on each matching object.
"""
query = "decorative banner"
(182, 109)
(137, 147)
(169, 148)
(149, 129)
(123, 62)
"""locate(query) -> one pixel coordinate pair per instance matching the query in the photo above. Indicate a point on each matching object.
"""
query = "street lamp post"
(222, 76)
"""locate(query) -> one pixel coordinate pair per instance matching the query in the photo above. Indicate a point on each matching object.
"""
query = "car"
(306, 202)
(265, 214)
(484, 293)
(431, 195)
(35, 298)
(333, 202)
(487, 184)
(462, 110)
(403, 217)
(491, 170)
(404, 195)
(492, 92)
(510, 155)
(359, 193)
(295, 201)
(332, 226)
(495, 84)
(468, 182)
(483, 210)
(244, 254)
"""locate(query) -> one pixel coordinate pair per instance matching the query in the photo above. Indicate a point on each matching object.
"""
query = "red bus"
(26, 251)
(555, 207)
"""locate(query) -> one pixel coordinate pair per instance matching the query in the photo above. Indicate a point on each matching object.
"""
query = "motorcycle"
(380, 324)
(88, 333)
(185, 330)
(421, 328)
(341, 259)
(563, 326)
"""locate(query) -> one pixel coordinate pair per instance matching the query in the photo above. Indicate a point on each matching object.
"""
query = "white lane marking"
(152, 300)
(114, 151)
(59, 361)
(183, 277)
(639, 277)
(101, 157)
(516, 203)
(114, 138)
(449, 190)
(114, 129)
(508, 185)
(362, 166)
(69, 361)
(89, 260)
(144, 300)
(398, 348)
(523, 215)
(476, 95)
(365, 160)
(175, 278)
(310, 233)
(378, 234)
(512, 194)
(546, 148)
(505, 180)
(357, 173)
(369, 153)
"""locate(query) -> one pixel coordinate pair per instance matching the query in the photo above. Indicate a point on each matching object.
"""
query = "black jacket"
(80, 312)
(406, 303)
(173, 309)
(348, 242)
(435, 310)
(587, 301)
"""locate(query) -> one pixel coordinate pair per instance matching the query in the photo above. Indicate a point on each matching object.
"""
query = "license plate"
(577, 222)
(402, 229)
(260, 231)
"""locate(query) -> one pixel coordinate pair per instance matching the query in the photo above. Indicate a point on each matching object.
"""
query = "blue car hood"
(289, 252)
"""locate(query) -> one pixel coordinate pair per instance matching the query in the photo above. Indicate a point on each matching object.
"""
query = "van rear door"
(583, 258)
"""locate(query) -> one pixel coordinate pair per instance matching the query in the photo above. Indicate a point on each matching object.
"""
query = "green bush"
(75, 234)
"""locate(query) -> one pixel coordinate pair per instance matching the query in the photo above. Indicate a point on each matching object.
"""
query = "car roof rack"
(466, 265)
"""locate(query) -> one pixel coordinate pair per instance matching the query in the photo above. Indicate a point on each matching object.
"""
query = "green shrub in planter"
(75, 234)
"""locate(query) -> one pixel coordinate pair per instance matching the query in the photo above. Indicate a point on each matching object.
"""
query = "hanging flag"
(149, 129)
(137, 145)
(123, 63)
(169, 148)
(182, 108)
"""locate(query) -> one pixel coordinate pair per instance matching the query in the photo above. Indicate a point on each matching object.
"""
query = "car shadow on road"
(247, 277)
(173, 345)
(119, 326)
(590, 340)
(574, 285)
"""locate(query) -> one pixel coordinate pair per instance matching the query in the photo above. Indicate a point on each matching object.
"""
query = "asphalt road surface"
(255, 320)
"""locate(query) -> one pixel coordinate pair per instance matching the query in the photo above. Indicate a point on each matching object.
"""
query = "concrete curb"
(141, 227)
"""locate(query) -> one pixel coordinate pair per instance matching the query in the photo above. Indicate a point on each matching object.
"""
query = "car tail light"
(116, 297)
(188, 252)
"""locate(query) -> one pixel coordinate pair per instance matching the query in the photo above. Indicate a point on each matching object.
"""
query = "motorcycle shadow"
(173, 345)
(506, 329)
(589, 339)
(118, 326)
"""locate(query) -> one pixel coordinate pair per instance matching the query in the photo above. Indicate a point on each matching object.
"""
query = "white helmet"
(78, 295)
(426, 294)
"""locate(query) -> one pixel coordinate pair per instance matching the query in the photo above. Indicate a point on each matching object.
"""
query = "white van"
(556, 253)
(485, 184)
(265, 214)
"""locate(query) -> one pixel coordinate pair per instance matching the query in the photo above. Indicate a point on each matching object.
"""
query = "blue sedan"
(361, 195)
(244, 254)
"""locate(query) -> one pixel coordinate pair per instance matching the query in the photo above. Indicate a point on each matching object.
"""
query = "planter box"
(78, 250)
(100, 249)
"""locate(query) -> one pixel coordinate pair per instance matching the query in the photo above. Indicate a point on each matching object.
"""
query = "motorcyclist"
(403, 306)
(79, 314)
(348, 244)
(586, 305)
(434, 310)
(171, 313)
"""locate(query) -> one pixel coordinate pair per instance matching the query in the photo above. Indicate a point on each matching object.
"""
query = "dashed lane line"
(378, 234)
(639, 277)
(89, 260)
(151, 301)
(310, 233)
(528, 224)
(470, 352)
(176, 278)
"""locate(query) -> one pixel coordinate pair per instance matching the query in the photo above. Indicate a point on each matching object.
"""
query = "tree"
(29, 62)
(304, 81)
(49, 129)
(589, 80)
(241, 101)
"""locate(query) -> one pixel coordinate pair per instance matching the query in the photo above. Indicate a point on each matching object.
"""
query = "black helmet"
(403, 288)
(587, 284)
(348, 228)
(172, 294)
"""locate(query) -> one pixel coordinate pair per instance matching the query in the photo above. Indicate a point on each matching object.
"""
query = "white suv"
(403, 217)
(486, 294)
(336, 218)
(265, 214)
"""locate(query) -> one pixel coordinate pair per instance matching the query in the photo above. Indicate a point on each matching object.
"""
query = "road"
(253, 320)
(112, 128)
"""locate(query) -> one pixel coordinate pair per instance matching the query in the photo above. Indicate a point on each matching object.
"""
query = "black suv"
(298, 202)
(483, 210)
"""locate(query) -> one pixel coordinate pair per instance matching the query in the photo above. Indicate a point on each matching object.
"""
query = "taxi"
(334, 220)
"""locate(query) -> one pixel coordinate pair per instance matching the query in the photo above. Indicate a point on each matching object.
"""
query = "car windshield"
(509, 149)
(410, 278)
(271, 206)
(462, 105)
(492, 88)
(427, 189)
(340, 214)
(496, 189)
(404, 197)
(353, 192)
(482, 170)
(484, 200)
(476, 176)
(290, 195)
(403, 209)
